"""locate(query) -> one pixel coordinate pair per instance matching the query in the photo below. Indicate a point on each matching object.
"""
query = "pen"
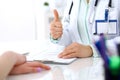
(118, 49)
(26, 53)
(102, 50)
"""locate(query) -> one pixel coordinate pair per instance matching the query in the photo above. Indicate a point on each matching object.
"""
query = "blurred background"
(23, 20)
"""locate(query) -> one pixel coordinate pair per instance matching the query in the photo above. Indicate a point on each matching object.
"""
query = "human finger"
(25, 70)
(56, 29)
(29, 67)
(71, 55)
(56, 15)
(38, 64)
(66, 52)
(56, 33)
(58, 24)
(20, 59)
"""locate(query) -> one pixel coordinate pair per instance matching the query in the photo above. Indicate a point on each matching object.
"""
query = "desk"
(81, 69)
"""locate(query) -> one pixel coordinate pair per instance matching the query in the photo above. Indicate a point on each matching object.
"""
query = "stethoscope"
(109, 4)
(106, 15)
(93, 13)
(67, 18)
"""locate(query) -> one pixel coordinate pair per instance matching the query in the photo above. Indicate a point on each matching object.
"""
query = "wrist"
(53, 37)
(11, 56)
(90, 51)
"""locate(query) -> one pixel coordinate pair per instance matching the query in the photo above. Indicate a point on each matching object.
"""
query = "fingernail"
(39, 69)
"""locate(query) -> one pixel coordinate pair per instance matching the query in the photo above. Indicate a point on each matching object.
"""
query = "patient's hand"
(22, 66)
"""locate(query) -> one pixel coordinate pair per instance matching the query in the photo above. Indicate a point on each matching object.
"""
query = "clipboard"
(69, 61)
(52, 58)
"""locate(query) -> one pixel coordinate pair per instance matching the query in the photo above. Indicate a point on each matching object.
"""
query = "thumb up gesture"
(56, 29)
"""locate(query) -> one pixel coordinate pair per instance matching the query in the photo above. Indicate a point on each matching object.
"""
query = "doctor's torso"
(92, 21)
(104, 18)
(85, 17)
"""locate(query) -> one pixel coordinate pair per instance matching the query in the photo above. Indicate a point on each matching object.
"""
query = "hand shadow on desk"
(57, 73)
(81, 63)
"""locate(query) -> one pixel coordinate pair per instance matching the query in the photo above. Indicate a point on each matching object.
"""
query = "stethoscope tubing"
(109, 3)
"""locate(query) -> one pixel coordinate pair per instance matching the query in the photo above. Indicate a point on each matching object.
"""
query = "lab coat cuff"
(54, 40)
(95, 52)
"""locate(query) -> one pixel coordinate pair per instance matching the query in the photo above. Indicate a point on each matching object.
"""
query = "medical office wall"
(24, 20)
(17, 20)
(46, 10)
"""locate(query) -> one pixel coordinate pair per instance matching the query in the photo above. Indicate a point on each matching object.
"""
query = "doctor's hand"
(76, 50)
(56, 29)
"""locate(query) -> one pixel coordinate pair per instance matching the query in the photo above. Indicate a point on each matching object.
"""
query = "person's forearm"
(7, 61)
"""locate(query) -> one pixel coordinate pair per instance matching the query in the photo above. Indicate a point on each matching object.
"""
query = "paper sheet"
(50, 55)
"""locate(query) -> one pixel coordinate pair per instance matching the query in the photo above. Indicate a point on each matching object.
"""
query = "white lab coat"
(71, 34)
(100, 15)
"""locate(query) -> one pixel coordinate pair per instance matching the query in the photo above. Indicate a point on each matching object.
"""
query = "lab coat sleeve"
(65, 40)
(92, 45)
(95, 52)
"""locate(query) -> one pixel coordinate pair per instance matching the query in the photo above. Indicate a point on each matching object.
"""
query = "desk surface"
(81, 69)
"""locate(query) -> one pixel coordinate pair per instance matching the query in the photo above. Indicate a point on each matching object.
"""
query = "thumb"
(56, 15)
